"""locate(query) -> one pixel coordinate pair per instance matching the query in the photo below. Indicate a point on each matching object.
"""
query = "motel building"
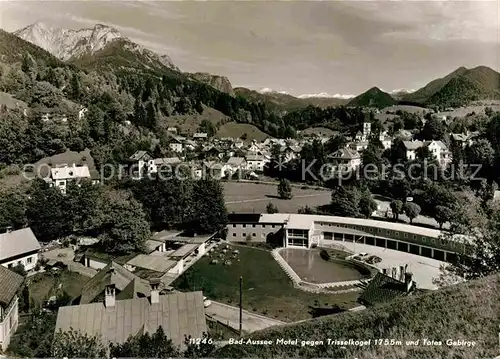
(306, 231)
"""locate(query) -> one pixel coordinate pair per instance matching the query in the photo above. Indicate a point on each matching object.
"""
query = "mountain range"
(103, 46)
(92, 46)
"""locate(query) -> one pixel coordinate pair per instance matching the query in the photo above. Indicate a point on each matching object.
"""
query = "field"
(11, 102)
(319, 131)
(188, 124)
(253, 198)
(462, 312)
(236, 130)
(266, 288)
(44, 285)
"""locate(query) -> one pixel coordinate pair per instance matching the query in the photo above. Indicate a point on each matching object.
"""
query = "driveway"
(230, 315)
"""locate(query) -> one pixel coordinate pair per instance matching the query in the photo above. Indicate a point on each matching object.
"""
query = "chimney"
(155, 292)
(408, 281)
(109, 296)
(401, 273)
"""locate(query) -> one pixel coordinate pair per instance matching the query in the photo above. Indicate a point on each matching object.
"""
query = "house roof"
(438, 143)
(254, 157)
(195, 239)
(381, 289)
(184, 250)
(70, 172)
(151, 245)
(459, 137)
(165, 235)
(243, 217)
(156, 263)
(138, 155)
(135, 289)
(236, 161)
(17, 243)
(281, 218)
(179, 314)
(115, 274)
(344, 153)
(412, 145)
(167, 161)
(10, 282)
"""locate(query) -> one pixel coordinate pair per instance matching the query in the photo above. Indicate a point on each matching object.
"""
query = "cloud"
(326, 95)
(402, 90)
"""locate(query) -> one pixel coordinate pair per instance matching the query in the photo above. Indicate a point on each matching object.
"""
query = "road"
(230, 315)
(268, 199)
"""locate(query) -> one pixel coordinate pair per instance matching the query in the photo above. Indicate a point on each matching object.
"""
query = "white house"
(10, 284)
(61, 176)
(255, 162)
(82, 112)
(359, 146)
(290, 153)
(236, 163)
(19, 247)
(140, 159)
(385, 140)
(344, 160)
(200, 136)
(365, 135)
(176, 144)
(411, 148)
(437, 148)
(166, 163)
(440, 151)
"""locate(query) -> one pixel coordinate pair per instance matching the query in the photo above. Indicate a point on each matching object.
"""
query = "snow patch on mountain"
(267, 90)
(326, 95)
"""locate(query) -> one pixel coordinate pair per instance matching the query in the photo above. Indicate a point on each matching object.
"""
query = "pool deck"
(423, 269)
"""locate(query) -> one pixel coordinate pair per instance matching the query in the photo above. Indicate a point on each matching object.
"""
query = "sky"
(299, 47)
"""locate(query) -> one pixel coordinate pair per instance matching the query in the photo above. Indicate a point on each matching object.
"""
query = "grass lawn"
(266, 288)
(467, 311)
(43, 285)
(254, 197)
(236, 130)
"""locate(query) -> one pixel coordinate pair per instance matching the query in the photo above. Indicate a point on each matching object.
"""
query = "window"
(244, 226)
(10, 265)
(263, 226)
(253, 225)
(379, 230)
(414, 236)
(234, 225)
(234, 234)
(272, 226)
(263, 235)
(388, 232)
(243, 234)
(406, 235)
(396, 233)
(29, 260)
(254, 235)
